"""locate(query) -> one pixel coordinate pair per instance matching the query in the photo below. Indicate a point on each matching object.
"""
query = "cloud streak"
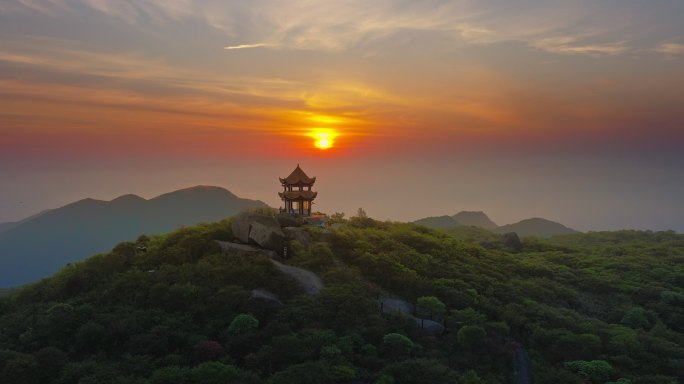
(245, 46)
(670, 49)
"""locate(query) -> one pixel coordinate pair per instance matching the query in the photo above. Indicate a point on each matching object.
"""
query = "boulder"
(228, 247)
(309, 281)
(390, 304)
(241, 226)
(262, 230)
(429, 327)
(268, 236)
(267, 296)
(511, 240)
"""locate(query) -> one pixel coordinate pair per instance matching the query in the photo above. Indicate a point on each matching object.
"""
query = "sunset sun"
(324, 139)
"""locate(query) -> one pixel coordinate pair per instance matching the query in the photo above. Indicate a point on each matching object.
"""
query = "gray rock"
(311, 283)
(268, 236)
(389, 304)
(259, 229)
(429, 327)
(227, 246)
(242, 224)
(511, 240)
(263, 294)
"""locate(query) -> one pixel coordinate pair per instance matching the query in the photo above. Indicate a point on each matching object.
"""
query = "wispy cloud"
(670, 49)
(244, 46)
(337, 26)
(571, 45)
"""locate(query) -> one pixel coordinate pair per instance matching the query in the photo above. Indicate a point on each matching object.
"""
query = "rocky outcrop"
(262, 294)
(395, 305)
(512, 241)
(311, 283)
(268, 236)
(259, 229)
(430, 327)
(389, 304)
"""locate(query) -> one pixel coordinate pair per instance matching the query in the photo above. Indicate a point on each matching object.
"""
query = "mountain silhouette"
(438, 222)
(9, 225)
(536, 227)
(475, 219)
(38, 246)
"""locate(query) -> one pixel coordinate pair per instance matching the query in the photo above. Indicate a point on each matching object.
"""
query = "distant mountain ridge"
(439, 222)
(9, 225)
(529, 227)
(475, 219)
(38, 246)
(536, 227)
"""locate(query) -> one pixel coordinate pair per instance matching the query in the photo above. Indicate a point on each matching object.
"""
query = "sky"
(567, 110)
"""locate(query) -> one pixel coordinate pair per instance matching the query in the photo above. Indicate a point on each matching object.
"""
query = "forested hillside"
(587, 308)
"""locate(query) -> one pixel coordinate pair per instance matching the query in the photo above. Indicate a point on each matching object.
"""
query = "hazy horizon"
(570, 111)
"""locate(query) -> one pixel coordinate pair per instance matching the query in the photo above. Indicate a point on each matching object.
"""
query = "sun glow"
(324, 138)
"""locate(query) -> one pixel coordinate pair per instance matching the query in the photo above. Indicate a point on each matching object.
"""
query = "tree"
(598, 371)
(433, 304)
(243, 323)
(337, 217)
(421, 371)
(208, 350)
(22, 369)
(215, 373)
(170, 375)
(471, 337)
(396, 345)
(50, 361)
(636, 318)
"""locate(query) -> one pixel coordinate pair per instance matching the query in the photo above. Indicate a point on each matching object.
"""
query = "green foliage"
(421, 371)
(597, 371)
(396, 345)
(337, 218)
(243, 323)
(471, 337)
(432, 303)
(636, 318)
(182, 311)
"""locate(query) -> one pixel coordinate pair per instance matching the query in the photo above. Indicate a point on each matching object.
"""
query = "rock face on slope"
(512, 241)
(268, 236)
(311, 283)
(262, 230)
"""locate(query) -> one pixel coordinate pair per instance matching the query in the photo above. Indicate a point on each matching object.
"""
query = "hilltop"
(592, 307)
(476, 219)
(537, 227)
(38, 246)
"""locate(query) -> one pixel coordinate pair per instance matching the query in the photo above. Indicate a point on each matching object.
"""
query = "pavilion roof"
(298, 177)
(297, 195)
